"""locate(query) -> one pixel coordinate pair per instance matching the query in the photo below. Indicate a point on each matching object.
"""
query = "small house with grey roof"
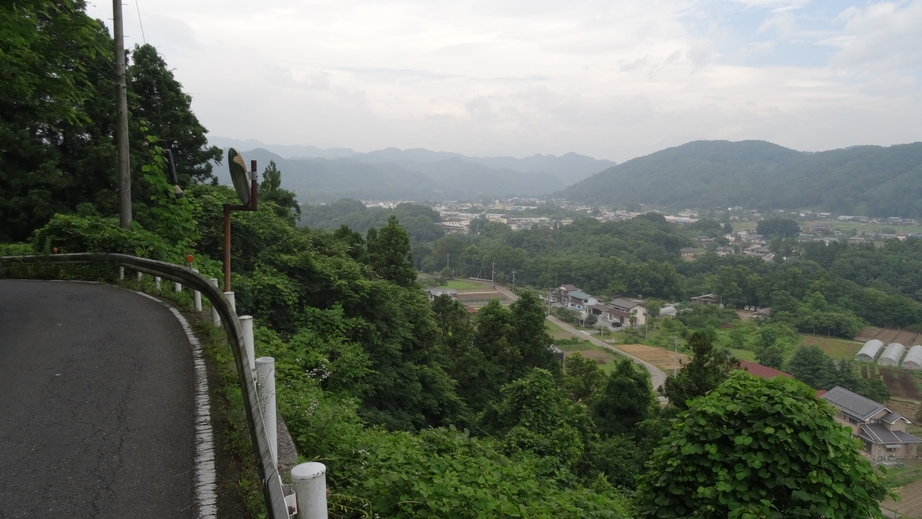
(882, 430)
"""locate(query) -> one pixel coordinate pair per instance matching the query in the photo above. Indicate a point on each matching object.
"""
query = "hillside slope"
(870, 180)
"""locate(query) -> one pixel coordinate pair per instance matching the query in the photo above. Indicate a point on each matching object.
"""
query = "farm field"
(900, 383)
(743, 354)
(659, 357)
(835, 348)
(910, 504)
(463, 284)
(888, 335)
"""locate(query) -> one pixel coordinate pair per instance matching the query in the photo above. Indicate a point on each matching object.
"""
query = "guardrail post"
(265, 383)
(197, 297)
(232, 300)
(121, 273)
(157, 283)
(215, 318)
(309, 481)
(246, 322)
(177, 287)
(140, 275)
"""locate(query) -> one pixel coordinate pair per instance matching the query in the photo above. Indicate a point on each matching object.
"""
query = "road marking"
(206, 499)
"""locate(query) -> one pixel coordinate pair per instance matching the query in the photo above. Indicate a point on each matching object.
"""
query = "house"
(725, 251)
(436, 292)
(560, 293)
(689, 253)
(882, 430)
(707, 299)
(624, 311)
(579, 300)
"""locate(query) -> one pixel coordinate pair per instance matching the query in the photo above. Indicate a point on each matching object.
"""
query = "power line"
(136, 6)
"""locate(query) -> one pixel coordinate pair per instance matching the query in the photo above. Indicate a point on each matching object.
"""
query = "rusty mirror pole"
(245, 185)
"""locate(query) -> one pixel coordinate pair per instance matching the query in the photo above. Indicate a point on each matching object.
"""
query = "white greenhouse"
(913, 358)
(892, 355)
(870, 350)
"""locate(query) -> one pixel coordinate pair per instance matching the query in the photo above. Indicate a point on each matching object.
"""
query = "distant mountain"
(323, 180)
(568, 169)
(866, 180)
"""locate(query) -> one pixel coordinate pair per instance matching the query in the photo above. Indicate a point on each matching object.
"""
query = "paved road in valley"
(96, 404)
(657, 377)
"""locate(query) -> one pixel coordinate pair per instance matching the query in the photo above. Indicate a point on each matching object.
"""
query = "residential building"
(882, 430)
(626, 312)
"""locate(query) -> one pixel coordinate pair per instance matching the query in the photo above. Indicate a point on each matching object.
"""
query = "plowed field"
(900, 382)
(663, 359)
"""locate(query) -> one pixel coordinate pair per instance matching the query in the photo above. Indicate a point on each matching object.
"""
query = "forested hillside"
(865, 180)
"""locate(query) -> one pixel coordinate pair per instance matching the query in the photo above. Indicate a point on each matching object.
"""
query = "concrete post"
(230, 299)
(121, 273)
(177, 287)
(140, 275)
(157, 282)
(265, 384)
(309, 481)
(197, 297)
(246, 322)
(215, 318)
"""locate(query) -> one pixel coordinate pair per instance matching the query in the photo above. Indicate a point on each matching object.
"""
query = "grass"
(836, 348)
(463, 284)
(904, 474)
(743, 354)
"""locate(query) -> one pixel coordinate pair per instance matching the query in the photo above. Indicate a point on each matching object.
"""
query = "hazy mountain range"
(860, 180)
(323, 175)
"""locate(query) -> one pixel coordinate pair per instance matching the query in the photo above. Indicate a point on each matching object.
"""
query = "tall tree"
(56, 101)
(285, 201)
(389, 253)
(759, 448)
(708, 368)
(157, 98)
(625, 400)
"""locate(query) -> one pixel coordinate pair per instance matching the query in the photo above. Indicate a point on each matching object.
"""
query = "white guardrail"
(306, 497)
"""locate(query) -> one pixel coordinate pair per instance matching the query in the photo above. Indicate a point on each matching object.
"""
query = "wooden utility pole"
(121, 126)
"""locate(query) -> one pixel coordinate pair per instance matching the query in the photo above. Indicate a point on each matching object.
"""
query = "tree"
(591, 319)
(158, 99)
(759, 448)
(708, 368)
(389, 253)
(625, 400)
(813, 367)
(582, 378)
(778, 228)
(57, 120)
(270, 190)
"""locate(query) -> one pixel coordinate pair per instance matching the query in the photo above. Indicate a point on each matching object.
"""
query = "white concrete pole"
(232, 300)
(197, 297)
(309, 481)
(177, 287)
(157, 282)
(265, 384)
(246, 322)
(121, 272)
(140, 275)
(215, 318)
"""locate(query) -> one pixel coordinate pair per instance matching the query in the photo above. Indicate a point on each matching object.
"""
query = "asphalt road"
(96, 404)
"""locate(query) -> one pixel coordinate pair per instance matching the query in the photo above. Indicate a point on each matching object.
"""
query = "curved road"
(96, 404)
(657, 377)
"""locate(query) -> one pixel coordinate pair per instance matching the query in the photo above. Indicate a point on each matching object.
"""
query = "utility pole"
(121, 127)
(493, 275)
(675, 356)
(513, 281)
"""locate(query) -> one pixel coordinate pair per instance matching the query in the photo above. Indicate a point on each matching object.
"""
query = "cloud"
(608, 78)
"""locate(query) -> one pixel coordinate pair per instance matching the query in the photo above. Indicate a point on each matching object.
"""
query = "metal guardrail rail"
(271, 482)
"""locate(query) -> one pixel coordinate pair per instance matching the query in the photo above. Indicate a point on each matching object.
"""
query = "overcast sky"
(609, 79)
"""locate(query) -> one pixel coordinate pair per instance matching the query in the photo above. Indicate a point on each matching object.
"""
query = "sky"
(608, 79)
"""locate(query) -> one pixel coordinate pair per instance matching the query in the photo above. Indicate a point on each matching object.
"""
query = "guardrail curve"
(271, 481)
